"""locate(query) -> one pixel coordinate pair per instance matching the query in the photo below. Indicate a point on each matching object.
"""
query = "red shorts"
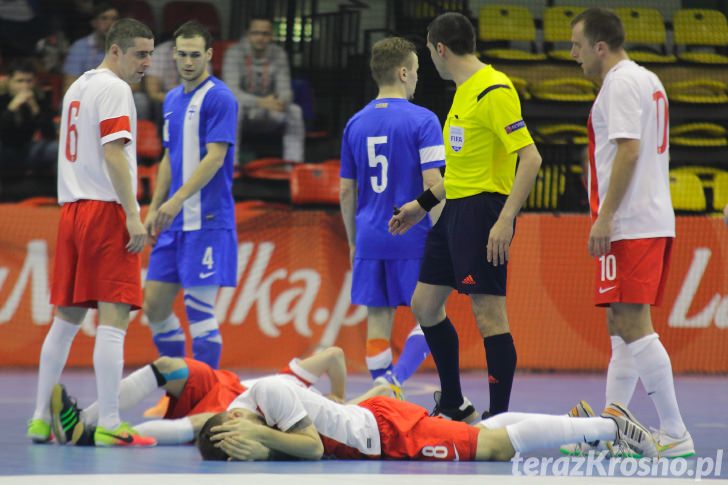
(407, 432)
(207, 390)
(634, 271)
(91, 261)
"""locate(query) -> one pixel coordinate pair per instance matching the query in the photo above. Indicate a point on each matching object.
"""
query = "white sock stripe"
(196, 306)
(416, 331)
(197, 329)
(300, 372)
(380, 361)
(167, 325)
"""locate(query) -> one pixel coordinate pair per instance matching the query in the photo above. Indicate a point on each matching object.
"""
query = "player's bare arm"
(118, 168)
(501, 234)
(301, 440)
(204, 172)
(622, 171)
(347, 200)
(430, 178)
(164, 179)
(412, 212)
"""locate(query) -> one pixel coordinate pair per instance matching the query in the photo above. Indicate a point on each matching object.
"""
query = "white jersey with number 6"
(632, 104)
(98, 108)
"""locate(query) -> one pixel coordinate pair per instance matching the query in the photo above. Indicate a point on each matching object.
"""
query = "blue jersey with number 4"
(386, 146)
(207, 114)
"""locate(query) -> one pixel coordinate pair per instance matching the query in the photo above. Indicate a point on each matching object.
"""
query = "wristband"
(427, 200)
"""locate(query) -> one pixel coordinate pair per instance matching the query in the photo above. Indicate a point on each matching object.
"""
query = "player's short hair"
(193, 28)
(101, 8)
(453, 30)
(601, 25)
(390, 54)
(22, 65)
(124, 31)
(207, 447)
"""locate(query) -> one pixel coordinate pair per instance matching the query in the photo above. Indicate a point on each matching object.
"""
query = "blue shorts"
(384, 282)
(456, 248)
(195, 258)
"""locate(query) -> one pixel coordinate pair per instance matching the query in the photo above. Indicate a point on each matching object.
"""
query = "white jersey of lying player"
(632, 104)
(283, 403)
(98, 108)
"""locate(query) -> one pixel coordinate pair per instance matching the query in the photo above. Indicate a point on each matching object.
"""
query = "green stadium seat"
(686, 192)
(506, 23)
(700, 28)
(645, 35)
(557, 29)
(699, 135)
(565, 89)
(698, 91)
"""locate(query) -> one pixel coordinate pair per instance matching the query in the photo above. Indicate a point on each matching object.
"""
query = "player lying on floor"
(196, 393)
(274, 419)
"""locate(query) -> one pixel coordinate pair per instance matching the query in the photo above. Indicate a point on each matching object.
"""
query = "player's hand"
(239, 428)
(271, 103)
(137, 234)
(20, 99)
(600, 237)
(166, 214)
(405, 217)
(499, 242)
(149, 226)
(242, 449)
(335, 398)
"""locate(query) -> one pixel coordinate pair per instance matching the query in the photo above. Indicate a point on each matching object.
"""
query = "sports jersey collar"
(202, 83)
(480, 72)
(389, 100)
(618, 66)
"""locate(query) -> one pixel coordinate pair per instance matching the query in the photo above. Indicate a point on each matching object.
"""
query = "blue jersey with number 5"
(386, 146)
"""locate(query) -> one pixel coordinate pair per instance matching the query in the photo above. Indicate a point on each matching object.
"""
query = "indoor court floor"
(703, 399)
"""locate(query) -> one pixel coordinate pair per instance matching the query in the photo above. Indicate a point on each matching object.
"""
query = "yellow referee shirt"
(483, 132)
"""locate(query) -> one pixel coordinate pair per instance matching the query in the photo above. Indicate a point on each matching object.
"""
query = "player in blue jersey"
(390, 150)
(192, 213)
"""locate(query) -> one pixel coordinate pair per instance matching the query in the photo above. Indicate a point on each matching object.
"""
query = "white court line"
(317, 479)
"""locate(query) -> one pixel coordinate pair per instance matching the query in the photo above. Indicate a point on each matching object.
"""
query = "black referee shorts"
(455, 252)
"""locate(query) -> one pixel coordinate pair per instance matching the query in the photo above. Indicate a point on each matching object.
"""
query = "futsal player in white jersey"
(633, 223)
(192, 213)
(100, 234)
(276, 419)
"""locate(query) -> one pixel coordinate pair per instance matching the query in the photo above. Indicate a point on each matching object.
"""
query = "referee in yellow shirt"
(468, 248)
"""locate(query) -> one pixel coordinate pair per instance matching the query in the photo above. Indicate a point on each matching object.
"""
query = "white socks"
(655, 370)
(108, 366)
(622, 374)
(504, 419)
(168, 431)
(132, 390)
(53, 356)
(545, 431)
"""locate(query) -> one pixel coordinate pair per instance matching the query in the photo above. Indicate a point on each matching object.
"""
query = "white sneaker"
(671, 447)
(390, 380)
(632, 436)
(582, 410)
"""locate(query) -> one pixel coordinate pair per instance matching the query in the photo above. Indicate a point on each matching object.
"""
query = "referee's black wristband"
(427, 200)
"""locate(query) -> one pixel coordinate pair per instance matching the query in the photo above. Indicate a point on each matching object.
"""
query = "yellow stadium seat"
(506, 23)
(686, 192)
(698, 91)
(645, 37)
(699, 135)
(561, 134)
(720, 191)
(567, 89)
(521, 86)
(557, 29)
(700, 28)
(550, 184)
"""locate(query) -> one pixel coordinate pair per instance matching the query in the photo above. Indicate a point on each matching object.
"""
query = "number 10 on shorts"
(608, 263)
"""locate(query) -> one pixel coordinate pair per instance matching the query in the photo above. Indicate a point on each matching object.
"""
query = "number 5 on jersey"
(378, 183)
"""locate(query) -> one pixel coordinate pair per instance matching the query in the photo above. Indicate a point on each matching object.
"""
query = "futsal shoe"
(123, 435)
(465, 413)
(582, 410)
(669, 446)
(68, 427)
(388, 379)
(159, 409)
(632, 436)
(39, 431)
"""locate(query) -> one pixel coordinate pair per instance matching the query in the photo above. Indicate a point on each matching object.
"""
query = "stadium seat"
(506, 23)
(686, 192)
(39, 202)
(645, 36)
(567, 89)
(218, 51)
(176, 13)
(142, 11)
(315, 183)
(698, 91)
(146, 181)
(557, 29)
(700, 28)
(149, 146)
(699, 135)
(720, 191)
(561, 134)
(268, 169)
(521, 86)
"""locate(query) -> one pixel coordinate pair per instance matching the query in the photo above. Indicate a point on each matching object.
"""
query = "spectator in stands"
(257, 72)
(88, 52)
(25, 111)
(20, 27)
